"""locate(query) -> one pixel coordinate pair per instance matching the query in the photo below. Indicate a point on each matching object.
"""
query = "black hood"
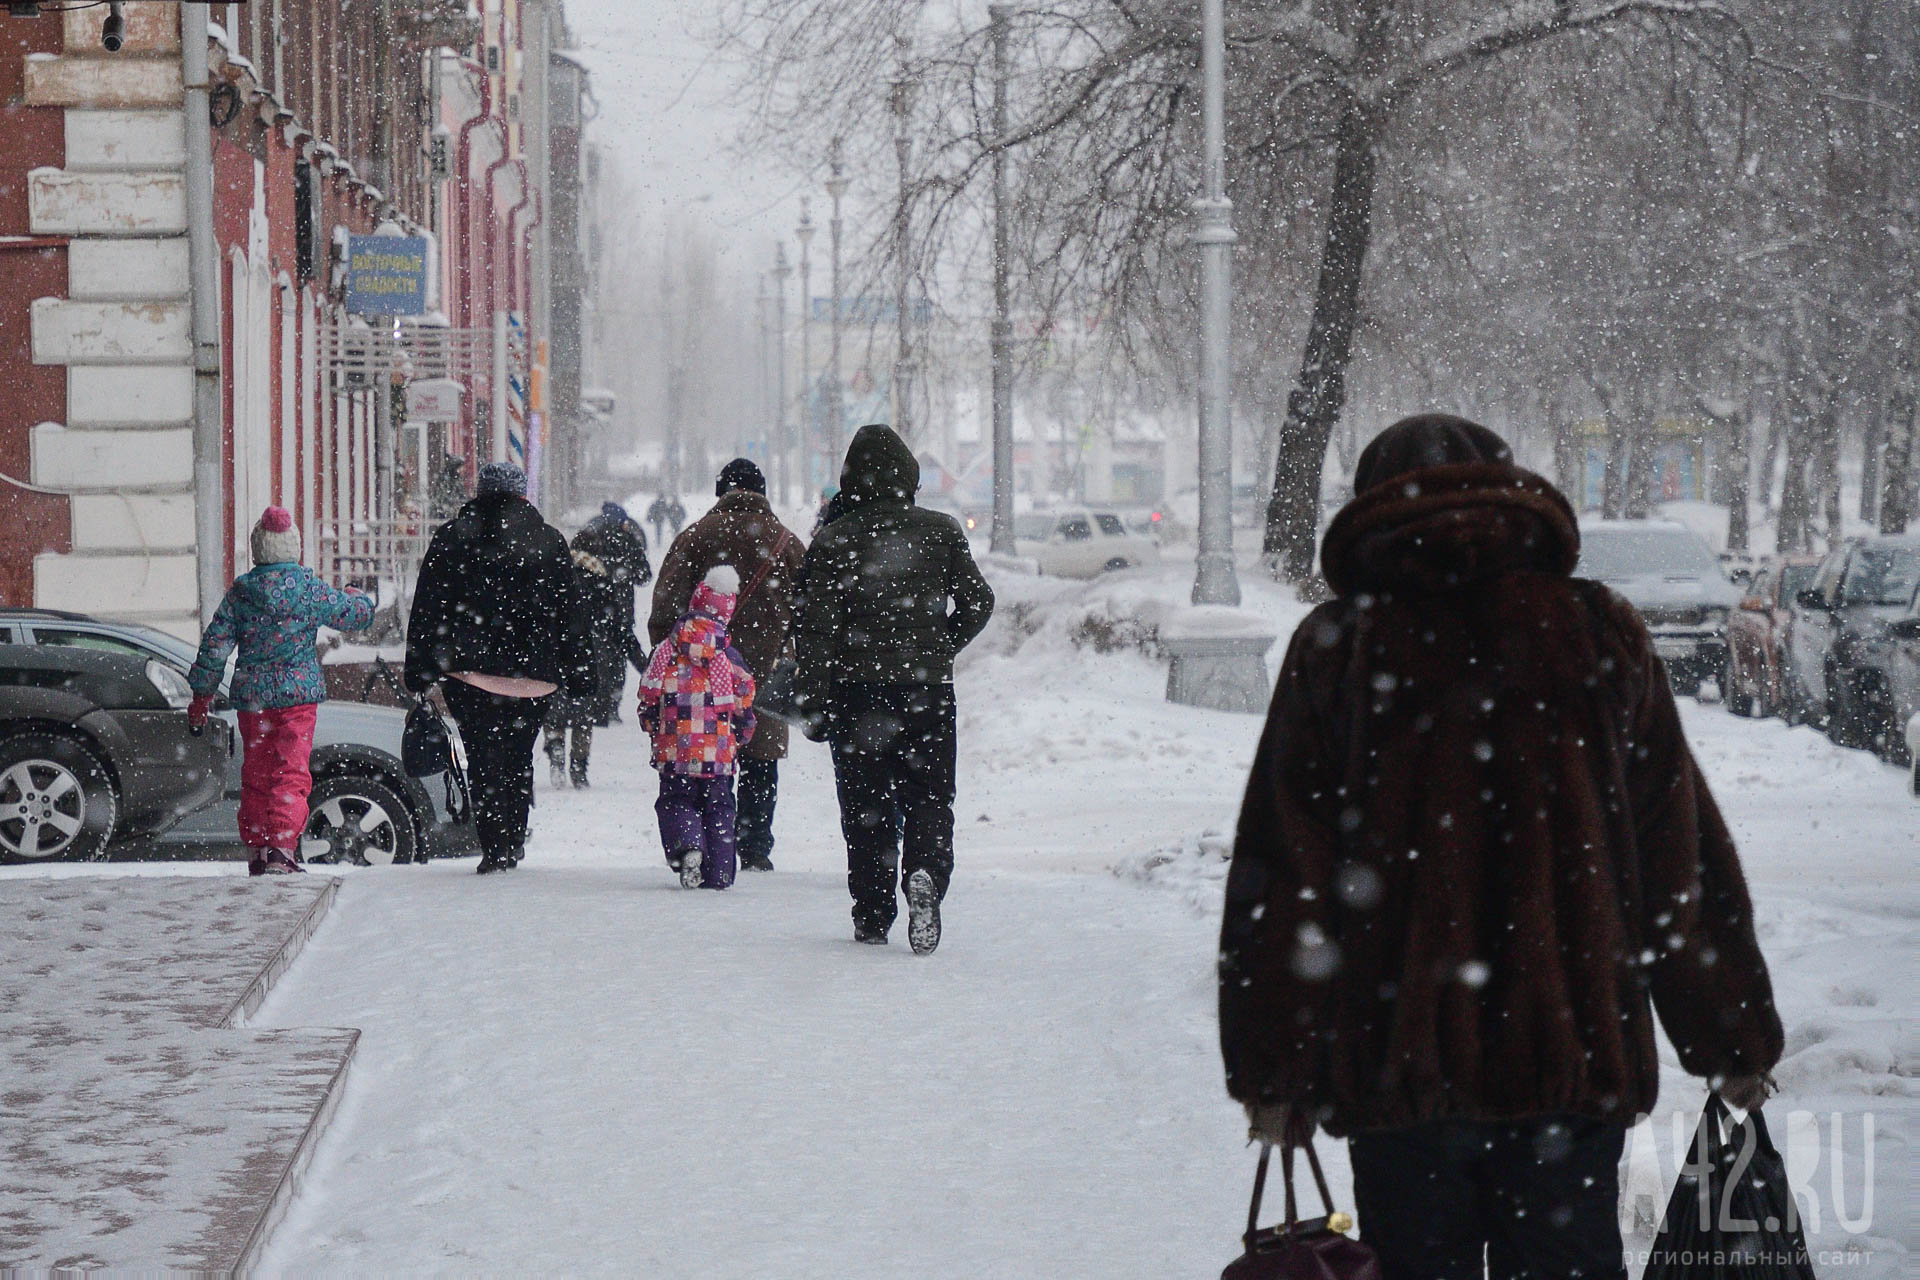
(879, 468)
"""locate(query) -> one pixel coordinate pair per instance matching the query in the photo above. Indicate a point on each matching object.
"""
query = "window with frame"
(1076, 529)
(1111, 526)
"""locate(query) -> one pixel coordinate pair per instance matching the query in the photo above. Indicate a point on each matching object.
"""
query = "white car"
(1081, 543)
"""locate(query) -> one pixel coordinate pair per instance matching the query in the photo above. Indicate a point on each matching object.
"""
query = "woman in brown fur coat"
(1474, 848)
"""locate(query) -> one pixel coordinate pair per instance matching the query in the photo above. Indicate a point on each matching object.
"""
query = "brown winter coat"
(742, 531)
(1474, 840)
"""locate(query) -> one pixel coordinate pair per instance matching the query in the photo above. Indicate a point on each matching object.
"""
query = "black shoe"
(490, 864)
(755, 862)
(871, 937)
(923, 913)
(687, 863)
(580, 780)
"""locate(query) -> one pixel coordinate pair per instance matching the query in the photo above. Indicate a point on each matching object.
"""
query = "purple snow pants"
(697, 814)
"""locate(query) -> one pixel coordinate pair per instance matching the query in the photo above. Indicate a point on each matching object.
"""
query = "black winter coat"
(616, 552)
(879, 581)
(498, 596)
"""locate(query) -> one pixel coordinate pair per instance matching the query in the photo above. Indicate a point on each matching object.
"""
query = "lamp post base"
(1219, 659)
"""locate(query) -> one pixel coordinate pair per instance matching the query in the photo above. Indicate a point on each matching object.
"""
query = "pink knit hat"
(275, 540)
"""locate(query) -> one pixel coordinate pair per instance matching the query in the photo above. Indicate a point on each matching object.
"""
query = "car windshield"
(1882, 576)
(1645, 553)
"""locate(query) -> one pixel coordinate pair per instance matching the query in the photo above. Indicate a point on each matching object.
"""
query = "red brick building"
(327, 121)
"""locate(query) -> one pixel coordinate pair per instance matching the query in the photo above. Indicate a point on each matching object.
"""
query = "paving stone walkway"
(141, 1126)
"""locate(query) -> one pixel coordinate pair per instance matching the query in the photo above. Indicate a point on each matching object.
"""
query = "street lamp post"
(780, 273)
(835, 411)
(1214, 580)
(809, 426)
(1002, 331)
(901, 103)
(1218, 654)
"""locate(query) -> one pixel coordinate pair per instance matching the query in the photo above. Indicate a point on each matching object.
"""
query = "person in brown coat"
(1474, 845)
(742, 531)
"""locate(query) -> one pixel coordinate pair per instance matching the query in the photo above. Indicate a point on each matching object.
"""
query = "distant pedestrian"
(1473, 843)
(667, 516)
(697, 701)
(270, 616)
(610, 561)
(742, 531)
(892, 595)
(500, 622)
(449, 492)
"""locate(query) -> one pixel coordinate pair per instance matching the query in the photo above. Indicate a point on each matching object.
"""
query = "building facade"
(327, 122)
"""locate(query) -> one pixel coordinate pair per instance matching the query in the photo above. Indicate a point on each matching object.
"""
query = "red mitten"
(197, 712)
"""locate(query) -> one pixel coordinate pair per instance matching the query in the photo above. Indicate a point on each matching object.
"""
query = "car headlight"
(172, 686)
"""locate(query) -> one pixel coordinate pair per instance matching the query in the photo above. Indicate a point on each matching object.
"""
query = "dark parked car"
(1669, 574)
(1757, 634)
(1839, 644)
(94, 747)
(363, 809)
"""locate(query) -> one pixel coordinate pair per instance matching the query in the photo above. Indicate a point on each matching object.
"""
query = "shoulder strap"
(773, 558)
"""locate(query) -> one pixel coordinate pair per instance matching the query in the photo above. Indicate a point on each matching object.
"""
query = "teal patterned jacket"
(270, 615)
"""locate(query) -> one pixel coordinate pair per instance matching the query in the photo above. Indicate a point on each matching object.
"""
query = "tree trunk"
(1870, 472)
(1739, 470)
(1637, 501)
(1313, 407)
(1826, 466)
(1896, 468)
(1792, 531)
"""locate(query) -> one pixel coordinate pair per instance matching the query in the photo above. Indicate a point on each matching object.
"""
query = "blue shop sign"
(387, 275)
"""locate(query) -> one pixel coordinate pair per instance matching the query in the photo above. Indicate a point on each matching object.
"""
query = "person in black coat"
(610, 559)
(499, 621)
(892, 595)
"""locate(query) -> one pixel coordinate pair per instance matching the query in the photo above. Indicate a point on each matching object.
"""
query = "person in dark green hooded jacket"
(892, 595)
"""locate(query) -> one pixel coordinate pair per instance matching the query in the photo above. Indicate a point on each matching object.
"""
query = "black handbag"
(1317, 1249)
(426, 748)
(1732, 1215)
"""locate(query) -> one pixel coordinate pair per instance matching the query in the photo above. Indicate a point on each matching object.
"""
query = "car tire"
(1116, 564)
(356, 819)
(57, 800)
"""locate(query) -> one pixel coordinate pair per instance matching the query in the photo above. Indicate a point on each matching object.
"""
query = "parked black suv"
(94, 747)
(1839, 646)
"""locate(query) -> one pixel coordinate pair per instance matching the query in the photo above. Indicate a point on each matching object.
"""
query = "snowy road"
(578, 1067)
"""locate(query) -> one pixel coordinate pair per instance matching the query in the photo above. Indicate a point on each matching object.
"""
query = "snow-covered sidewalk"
(579, 1067)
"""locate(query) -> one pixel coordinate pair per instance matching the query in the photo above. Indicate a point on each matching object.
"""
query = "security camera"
(113, 33)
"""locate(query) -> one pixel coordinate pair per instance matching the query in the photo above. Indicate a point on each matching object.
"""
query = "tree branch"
(1524, 23)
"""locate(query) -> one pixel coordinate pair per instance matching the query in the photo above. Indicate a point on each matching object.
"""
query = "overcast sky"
(667, 119)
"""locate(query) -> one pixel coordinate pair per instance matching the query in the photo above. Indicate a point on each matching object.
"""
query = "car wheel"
(1846, 723)
(56, 800)
(1116, 564)
(357, 820)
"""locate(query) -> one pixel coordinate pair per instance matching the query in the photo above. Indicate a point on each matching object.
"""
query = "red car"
(1757, 635)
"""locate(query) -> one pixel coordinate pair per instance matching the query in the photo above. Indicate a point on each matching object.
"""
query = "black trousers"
(757, 790)
(1533, 1199)
(563, 715)
(498, 734)
(893, 764)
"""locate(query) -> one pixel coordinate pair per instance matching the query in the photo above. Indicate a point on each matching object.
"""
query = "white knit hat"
(275, 539)
(724, 578)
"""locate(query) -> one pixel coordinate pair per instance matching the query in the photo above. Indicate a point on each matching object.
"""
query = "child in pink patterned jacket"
(696, 699)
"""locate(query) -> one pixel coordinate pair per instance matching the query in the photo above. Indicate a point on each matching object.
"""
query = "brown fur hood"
(1446, 527)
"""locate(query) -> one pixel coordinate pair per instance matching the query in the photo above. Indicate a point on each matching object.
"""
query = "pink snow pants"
(274, 781)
